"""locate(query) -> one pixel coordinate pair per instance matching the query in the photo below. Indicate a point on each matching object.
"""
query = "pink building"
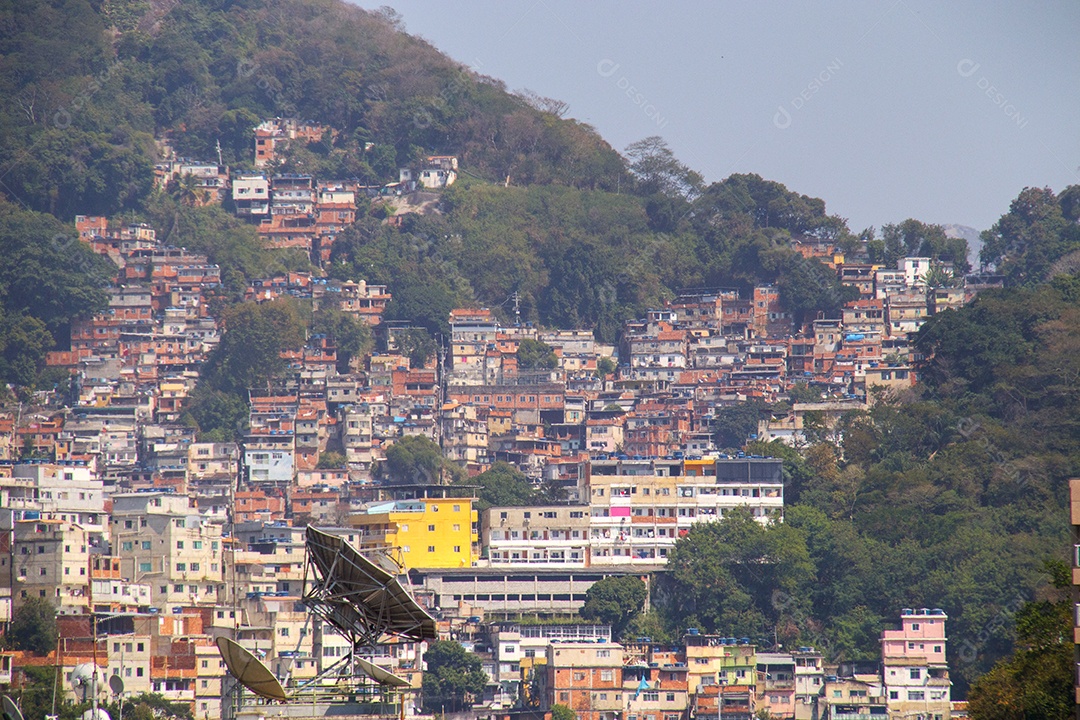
(915, 671)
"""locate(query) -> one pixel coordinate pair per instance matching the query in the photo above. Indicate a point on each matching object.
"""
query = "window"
(579, 676)
(915, 673)
(181, 567)
(431, 528)
(603, 653)
(894, 694)
(144, 567)
(457, 508)
(128, 545)
(194, 567)
(608, 676)
(178, 588)
(431, 548)
(916, 695)
(146, 545)
(197, 544)
(457, 548)
(179, 544)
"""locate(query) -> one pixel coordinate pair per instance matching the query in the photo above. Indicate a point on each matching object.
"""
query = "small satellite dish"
(98, 714)
(380, 674)
(116, 684)
(81, 674)
(385, 562)
(82, 677)
(11, 710)
(249, 670)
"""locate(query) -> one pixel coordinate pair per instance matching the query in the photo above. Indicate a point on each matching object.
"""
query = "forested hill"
(545, 207)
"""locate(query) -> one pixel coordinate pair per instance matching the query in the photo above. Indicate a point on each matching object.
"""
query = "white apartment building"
(162, 541)
(637, 511)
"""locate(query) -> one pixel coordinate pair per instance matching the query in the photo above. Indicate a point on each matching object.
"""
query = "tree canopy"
(33, 626)
(453, 677)
(615, 601)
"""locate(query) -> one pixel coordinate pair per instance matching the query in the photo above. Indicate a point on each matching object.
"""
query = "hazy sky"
(886, 110)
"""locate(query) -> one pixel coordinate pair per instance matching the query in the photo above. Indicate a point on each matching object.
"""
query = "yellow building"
(428, 533)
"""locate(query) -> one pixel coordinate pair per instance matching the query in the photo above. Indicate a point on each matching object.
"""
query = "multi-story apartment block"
(472, 333)
(587, 678)
(555, 535)
(852, 697)
(915, 671)
(809, 678)
(65, 491)
(426, 533)
(162, 541)
(637, 511)
(51, 559)
(712, 659)
(776, 684)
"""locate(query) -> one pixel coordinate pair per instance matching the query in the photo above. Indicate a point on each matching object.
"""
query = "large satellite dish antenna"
(95, 714)
(249, 671)
(380, 674)
(116, 684)
(358, 597)
(11, 710)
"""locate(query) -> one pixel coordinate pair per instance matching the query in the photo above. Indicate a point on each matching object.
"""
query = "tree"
(1037, 681)
(725, 576)
(331, 461)
(249, 353)
(734, 424)
(416, 344)
(219, 416)
(656, 169)
(536, 355)
(605, 366)
(349, 335)
(33, 626)
(414, 460)
(453, 677)
(562, 712)
(615, 601)
(1027, 240)
(503, 485)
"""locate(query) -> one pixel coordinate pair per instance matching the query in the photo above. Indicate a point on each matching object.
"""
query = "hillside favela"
(343, 379)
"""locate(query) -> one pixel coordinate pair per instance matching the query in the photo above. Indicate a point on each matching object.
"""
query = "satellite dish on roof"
(249, 671)
(96, 714)
(116, 684)
(380, 674)
(11, 710)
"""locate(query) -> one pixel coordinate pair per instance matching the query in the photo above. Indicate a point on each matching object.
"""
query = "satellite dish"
(116, 684)
(82, 677)
(97, 714)
(11, 710)
(380, 674)
(249, 670)
(385, 562)
(81, 674)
